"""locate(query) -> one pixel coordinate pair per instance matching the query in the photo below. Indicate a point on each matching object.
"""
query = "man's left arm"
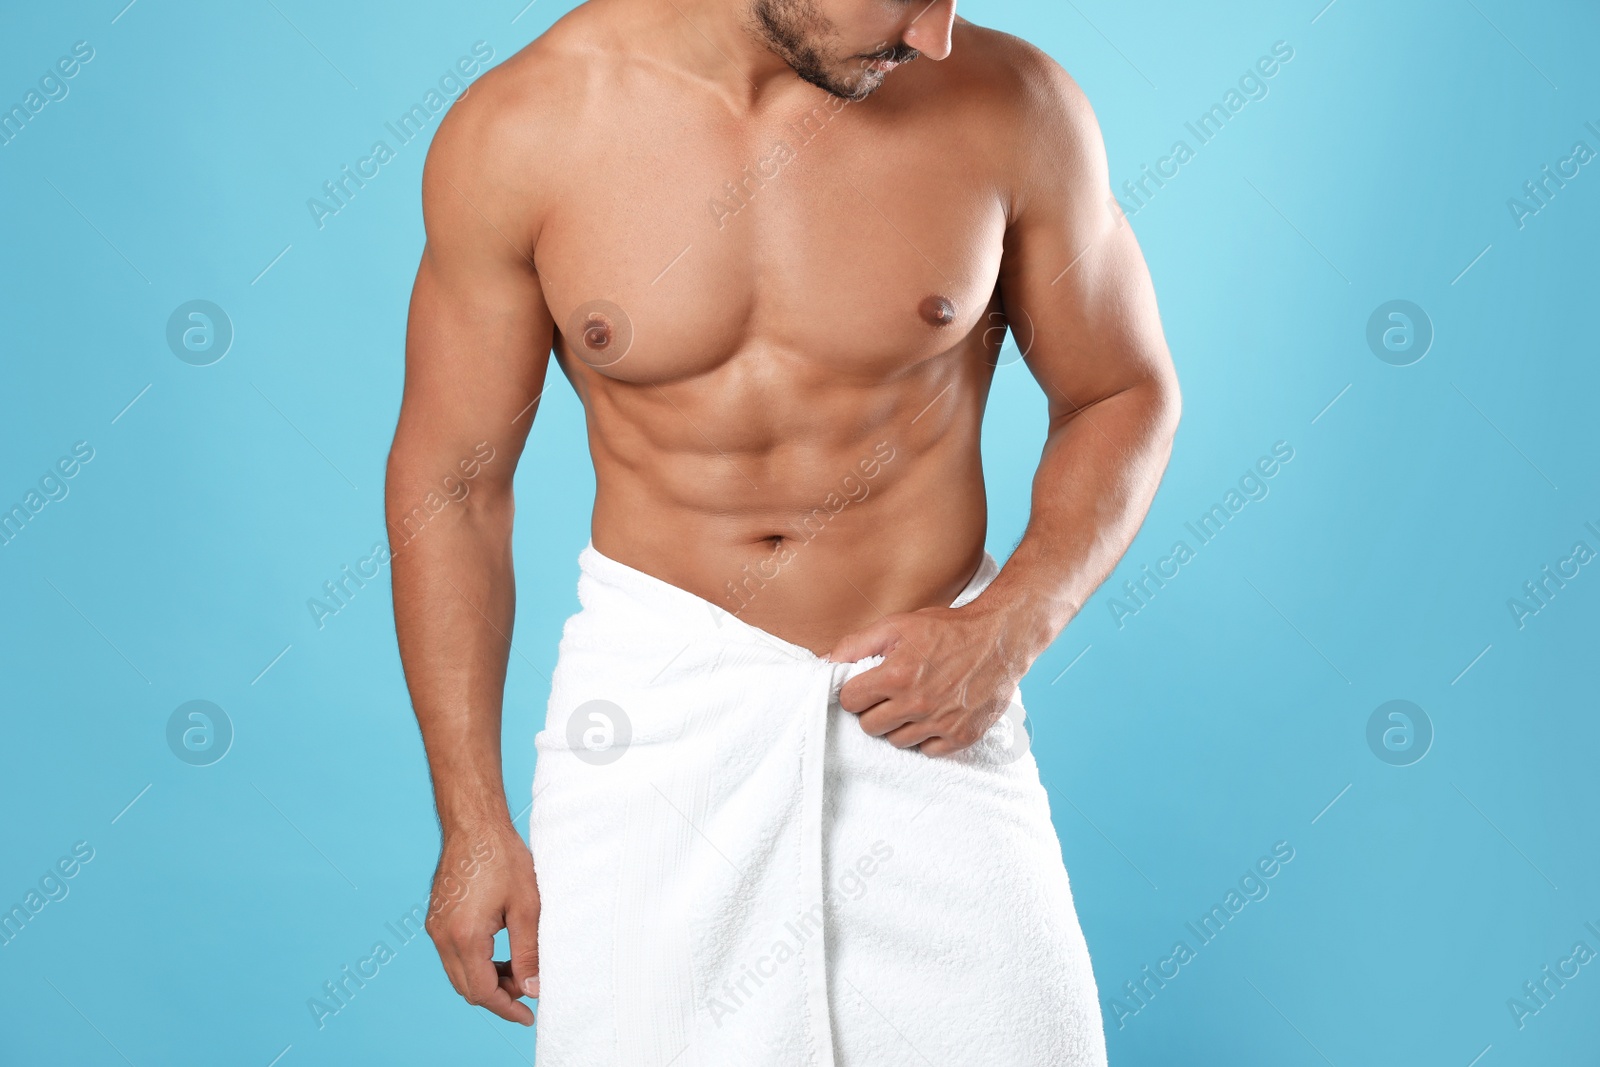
(1081, 307)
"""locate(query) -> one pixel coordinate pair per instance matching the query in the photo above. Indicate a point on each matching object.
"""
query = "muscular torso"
(783, 326)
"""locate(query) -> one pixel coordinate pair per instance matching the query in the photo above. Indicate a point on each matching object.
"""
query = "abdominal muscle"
(814, 512)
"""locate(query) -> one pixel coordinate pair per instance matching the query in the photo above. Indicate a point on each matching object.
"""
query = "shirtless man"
(761, 238)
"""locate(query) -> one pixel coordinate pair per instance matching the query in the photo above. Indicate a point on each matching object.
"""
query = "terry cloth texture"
(734, 874)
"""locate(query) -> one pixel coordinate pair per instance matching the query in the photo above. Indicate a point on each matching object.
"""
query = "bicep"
(1076, 288)
(478, 334)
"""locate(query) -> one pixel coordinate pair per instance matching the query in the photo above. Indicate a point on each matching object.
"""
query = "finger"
(940, 746)
(875, 640)
(516, 990)
(909, 735)
(508, 1007)
(482, 980)
(502, 970)
(888, 716)
(522, 927)
(450, 960)
(871, 687)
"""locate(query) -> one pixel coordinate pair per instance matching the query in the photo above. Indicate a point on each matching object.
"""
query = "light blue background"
(1222, 718)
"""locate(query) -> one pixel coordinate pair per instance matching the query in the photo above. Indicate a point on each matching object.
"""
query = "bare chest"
(830, 237)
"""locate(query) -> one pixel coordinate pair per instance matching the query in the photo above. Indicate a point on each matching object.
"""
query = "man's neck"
(717, 41)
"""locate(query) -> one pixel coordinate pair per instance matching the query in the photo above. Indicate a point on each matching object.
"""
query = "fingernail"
(530, 986)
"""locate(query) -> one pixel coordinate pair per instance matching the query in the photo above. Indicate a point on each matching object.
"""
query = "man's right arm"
(477, 349)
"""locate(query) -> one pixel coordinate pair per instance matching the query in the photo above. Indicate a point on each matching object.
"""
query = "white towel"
(734, 874)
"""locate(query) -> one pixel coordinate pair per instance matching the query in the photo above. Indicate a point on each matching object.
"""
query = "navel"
(937, 310)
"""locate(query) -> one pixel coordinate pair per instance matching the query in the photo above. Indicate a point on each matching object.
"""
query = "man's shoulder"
(1013, 78)
(521, 110)
(1025, 113)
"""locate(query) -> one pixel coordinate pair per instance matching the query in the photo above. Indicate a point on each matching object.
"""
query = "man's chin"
(864, 80)
(863, 86)
(872, 72)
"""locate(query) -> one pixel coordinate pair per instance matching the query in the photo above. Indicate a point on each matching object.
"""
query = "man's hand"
(947, 675)
(484, 884)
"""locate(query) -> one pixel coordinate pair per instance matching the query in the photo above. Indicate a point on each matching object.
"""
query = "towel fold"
(734, 874)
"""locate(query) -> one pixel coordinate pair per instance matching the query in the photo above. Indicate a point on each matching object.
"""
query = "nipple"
(600, 333)
(937, 310)
(596, 331)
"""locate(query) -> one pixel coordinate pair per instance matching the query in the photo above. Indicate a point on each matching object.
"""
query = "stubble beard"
(798, 33)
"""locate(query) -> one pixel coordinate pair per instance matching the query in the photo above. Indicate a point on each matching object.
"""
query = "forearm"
(454, 605)
(1098, 473)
